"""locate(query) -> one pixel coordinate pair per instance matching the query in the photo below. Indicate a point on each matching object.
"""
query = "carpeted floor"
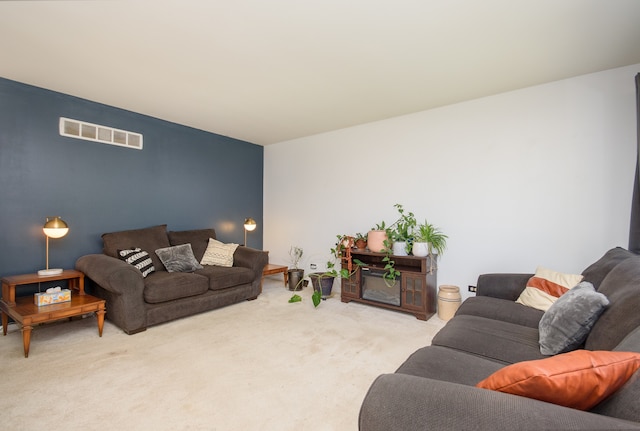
(259, 365)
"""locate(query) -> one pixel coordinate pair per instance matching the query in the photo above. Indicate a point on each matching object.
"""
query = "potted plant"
(376, 238)
(429, 240)
(295, 274)
(323, 281)
(402, 232)
(361, 241)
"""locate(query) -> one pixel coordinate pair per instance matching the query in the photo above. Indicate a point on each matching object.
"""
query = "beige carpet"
(262, 365)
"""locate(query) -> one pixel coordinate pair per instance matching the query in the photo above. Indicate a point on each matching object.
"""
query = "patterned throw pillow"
(138, 258)
(218, 253)
(545, 287)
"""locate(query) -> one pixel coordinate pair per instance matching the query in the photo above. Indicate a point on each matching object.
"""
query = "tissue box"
(52, 298)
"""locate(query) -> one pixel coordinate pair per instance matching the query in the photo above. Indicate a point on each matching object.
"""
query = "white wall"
(539, 176)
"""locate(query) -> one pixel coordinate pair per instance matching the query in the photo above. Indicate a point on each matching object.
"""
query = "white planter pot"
(400, 248)
(421, 249)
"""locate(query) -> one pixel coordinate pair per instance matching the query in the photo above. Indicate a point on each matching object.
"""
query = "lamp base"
(47, 272)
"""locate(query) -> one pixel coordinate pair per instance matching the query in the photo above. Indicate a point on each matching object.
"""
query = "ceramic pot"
(322, 284)
(361, 244)
(400, 248)
(448, 301)
(295, 276)
(376, 239)
(421, 249)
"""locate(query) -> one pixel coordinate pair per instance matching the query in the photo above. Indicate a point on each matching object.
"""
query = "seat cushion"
(449, 365)
(221, 277)
(162, 286)
(500, 309)
(499, 341)
(148, 239)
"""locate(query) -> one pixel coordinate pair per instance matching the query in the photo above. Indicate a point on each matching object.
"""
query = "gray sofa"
(435, 387)
(135, 302)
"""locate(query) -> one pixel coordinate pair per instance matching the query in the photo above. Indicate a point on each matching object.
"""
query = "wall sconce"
(249, 225)
(54, 227)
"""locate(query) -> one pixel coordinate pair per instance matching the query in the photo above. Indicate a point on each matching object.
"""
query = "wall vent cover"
(97, 133)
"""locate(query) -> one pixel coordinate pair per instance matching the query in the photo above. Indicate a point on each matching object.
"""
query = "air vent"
(96, 133)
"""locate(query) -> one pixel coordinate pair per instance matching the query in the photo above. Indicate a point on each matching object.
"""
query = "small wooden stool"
(271, 269)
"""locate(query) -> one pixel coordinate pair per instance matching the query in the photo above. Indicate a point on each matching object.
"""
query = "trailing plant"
(343, 244)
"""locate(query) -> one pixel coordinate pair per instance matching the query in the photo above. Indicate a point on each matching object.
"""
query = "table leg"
(26, 339)
(100, 316)
(286, 278)
(5, 323)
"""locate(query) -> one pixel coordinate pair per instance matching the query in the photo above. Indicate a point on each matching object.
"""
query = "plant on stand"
(323, 281)
(402, 232)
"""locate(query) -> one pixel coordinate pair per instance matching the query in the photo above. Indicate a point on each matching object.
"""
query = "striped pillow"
(545, 287)
(138, 258)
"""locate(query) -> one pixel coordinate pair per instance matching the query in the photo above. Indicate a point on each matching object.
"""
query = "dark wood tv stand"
(417, 287)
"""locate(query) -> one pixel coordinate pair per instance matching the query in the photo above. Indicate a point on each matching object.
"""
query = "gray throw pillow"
(566, 324)
(179, 258)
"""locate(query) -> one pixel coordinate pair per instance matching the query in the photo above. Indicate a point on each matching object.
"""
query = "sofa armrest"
(122, 285)
(404, 402)
(253, 259)
(507, 286)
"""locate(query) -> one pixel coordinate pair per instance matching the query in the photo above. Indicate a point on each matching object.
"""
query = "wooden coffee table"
(27, 314)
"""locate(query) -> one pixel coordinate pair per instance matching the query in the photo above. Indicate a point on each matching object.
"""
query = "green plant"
(343, 243)
(431, 234)
(359, 236)
(295, 253)
(402, 229)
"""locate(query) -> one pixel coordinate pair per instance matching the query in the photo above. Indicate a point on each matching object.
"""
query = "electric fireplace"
(376, 288)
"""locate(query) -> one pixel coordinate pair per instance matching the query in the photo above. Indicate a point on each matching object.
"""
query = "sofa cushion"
(441, 363)
(149, 239)
(218, 253)
(580, 379)
(162, 286)
(198, 238)
(622, 288)
(178, 258)
(597, 271)
(495, 340)
(545, 287)
(500, 309)
(138, 258)
(566, 324)
(221, 277)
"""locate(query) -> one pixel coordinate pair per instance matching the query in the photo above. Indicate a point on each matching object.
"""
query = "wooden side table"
(27, 314)
(271, 269)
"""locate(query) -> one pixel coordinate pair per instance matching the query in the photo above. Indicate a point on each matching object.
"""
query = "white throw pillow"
(218, 253)
(545, 287)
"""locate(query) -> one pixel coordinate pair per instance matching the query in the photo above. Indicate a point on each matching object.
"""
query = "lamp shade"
(250, 224)
(55, 228)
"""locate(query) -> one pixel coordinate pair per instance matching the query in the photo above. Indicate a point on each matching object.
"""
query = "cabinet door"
(414, 292)
(350, 287)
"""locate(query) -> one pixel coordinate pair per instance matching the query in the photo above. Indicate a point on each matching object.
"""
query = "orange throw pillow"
(580, 379)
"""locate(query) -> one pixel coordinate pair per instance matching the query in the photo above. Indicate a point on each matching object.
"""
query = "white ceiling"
(267, 71)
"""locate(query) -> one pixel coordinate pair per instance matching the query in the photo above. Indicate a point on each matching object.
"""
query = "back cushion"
(148, 239)
(622, 287)
(198, 238)
(597, 271)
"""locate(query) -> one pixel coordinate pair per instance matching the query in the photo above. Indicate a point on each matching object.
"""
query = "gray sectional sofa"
(435, 388)
(135, 302)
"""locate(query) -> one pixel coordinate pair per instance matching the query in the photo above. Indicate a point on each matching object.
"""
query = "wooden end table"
(271, 269)
(27, 314)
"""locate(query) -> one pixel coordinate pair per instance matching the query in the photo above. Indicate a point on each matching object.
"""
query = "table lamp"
(249, 225)
(54, 227)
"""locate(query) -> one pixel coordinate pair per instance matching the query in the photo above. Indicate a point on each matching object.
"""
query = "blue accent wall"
(184, 177)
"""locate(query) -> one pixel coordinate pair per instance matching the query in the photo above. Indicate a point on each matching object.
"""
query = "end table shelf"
(26, 313)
